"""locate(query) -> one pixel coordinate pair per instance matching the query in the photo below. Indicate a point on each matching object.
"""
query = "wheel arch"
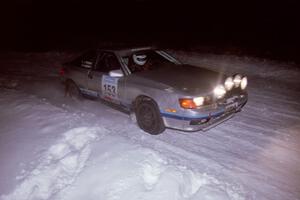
(141, 98)
(68, 80)
(159, 99)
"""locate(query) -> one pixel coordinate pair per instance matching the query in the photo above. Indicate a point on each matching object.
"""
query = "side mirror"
(116, 73)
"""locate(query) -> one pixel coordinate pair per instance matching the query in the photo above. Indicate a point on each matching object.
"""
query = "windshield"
(147, 60)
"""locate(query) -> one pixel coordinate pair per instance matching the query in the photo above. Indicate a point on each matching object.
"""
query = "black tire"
(72, 90)
(149, 118)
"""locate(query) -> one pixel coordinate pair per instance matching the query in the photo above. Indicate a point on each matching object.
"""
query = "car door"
(108, 88)
(80, 69)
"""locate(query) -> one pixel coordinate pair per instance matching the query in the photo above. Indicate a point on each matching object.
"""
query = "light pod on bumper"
(237, 80)
(244, 83)
(229, 83)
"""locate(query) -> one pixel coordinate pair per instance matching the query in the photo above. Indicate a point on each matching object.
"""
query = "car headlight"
(191, 103)
(187, 103)
(199, 101)
(219, 91)
(229, 83)
(237, 80)
(244, 83)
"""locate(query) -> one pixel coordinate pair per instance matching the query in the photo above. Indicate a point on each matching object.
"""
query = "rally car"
(156, 89)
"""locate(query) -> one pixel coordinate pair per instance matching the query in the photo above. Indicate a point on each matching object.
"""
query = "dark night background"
(260, 28)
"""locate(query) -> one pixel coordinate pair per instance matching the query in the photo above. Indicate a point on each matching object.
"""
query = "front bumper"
(198, 120)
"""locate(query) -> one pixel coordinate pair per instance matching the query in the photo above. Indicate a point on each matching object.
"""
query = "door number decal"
(110, 88)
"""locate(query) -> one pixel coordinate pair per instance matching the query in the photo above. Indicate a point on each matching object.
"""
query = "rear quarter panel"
(78, 75)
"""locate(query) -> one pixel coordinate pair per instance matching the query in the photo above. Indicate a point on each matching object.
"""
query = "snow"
(57, 168)
(56, 148)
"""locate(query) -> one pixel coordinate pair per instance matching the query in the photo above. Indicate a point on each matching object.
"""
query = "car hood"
(187, 79)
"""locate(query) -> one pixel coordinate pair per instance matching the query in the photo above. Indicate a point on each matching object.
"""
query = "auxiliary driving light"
(229, 83)
(244, 83)
(237, 80)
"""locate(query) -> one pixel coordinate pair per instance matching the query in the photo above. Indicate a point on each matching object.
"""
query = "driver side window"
(87, 60)
(107, 62)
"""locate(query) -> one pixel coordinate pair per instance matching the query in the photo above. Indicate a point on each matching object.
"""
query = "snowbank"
(123, 170)
(250, 66)
(57, 168)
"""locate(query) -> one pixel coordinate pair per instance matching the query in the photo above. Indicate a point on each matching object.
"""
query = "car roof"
(124, 51)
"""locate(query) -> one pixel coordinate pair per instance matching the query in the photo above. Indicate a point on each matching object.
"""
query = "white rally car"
(157, 89)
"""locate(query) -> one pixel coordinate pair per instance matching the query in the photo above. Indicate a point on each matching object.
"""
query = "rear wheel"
(72, 90)
(149, 118)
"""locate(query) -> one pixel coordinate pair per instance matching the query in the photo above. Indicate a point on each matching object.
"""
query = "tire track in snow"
(179, 156)
(190, 158)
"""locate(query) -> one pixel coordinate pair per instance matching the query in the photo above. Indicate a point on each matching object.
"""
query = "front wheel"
(149, 118)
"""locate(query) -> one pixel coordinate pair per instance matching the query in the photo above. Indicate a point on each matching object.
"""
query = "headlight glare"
(219, 91)
(199, 101)
(229, 83)
(244, 83)
(237, 80)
